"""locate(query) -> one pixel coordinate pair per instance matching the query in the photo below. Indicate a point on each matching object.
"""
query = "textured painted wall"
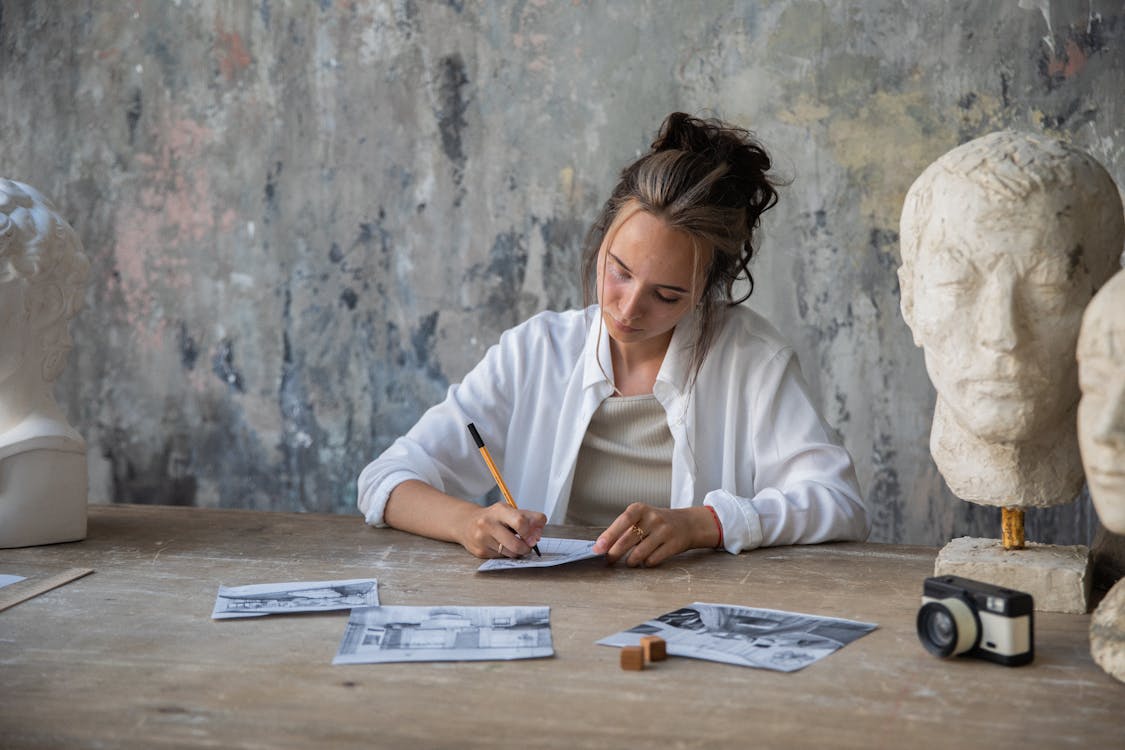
(307, 219)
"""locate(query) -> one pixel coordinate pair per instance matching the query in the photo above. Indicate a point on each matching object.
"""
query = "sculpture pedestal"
(1107, 632)
(1057, 577)
(42, 497)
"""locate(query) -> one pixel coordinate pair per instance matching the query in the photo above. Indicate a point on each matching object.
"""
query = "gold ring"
(501, 550)
(638, 532)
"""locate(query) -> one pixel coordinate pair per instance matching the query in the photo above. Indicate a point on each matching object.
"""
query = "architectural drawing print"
(393, 634)
(749, 637)
(261, 599)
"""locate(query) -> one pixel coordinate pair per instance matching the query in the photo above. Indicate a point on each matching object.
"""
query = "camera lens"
(940, 628)
(947, 627)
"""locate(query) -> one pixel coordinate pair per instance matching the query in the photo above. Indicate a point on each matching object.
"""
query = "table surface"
(130, 657)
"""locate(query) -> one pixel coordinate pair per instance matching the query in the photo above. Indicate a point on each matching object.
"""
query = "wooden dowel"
(1011, 528)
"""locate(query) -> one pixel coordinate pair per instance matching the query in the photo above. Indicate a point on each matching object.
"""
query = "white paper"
(260, 599)
(7, 579)
(748, 637)
(394, 634)
(554, 551)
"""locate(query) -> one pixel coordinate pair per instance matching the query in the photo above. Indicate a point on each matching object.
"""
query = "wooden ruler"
(21, 591)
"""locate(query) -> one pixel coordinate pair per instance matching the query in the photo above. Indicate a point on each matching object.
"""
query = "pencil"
(495, 473)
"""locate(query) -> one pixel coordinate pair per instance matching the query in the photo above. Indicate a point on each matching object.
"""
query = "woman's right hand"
(500, 530)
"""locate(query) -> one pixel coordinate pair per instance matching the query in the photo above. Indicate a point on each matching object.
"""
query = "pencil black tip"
(536, 548)
(476, 435)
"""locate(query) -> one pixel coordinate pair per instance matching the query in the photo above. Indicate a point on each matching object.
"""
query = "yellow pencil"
(495, 472)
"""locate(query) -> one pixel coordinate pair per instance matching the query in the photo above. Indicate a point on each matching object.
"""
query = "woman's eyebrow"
(671, 287)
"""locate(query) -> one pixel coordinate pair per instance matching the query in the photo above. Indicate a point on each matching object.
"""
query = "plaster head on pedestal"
(1004, 241)
(1101, 412)
(1101, 436)
(43, 274)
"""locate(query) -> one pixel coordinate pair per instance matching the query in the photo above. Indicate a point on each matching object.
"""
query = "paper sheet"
(554, 551)
(748, 637)
(453, 633)
(260, 599)
(7, 579)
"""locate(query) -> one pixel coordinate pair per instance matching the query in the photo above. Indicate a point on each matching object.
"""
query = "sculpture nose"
(1109, 424)
(998, 321)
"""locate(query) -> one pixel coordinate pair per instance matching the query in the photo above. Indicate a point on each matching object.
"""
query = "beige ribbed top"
(626, 457)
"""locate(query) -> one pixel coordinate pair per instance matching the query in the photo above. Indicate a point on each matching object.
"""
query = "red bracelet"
(717, 523)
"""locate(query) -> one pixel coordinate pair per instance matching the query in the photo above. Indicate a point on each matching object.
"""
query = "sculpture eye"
(1051, 275)
(1091, 379)
(948, 269)
(950, 276)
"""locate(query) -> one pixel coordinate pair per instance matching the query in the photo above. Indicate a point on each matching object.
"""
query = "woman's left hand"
(647, 536)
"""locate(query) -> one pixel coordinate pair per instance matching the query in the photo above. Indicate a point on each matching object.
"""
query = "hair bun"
(682, 132)
(718, 144)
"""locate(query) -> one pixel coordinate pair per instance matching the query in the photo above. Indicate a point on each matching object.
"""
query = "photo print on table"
(395, 634)
(259, 599)
(746, 636)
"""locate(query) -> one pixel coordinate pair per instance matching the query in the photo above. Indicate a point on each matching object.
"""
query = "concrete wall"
(307, 219)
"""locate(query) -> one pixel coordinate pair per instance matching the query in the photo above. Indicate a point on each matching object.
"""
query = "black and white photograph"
(553, 551)
(396, 634)
(745, 636)
(259, 599)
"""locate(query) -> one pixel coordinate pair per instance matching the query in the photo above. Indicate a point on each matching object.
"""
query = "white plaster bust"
(1101, 438)
(43, 274)
(1101, 412)
(1004, 241)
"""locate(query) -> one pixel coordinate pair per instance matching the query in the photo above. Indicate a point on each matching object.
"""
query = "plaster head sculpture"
(1101, 438)
(1004, 241)
(1101, 412)
(43, 274)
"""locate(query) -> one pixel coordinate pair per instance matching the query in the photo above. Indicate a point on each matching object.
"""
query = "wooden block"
(654, 647)
(632, 658)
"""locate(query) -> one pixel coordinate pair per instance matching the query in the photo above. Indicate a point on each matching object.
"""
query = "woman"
(666, 411)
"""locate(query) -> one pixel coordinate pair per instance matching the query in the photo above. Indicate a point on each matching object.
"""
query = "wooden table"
(130, 657)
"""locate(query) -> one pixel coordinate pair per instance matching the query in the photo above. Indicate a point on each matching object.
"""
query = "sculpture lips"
(999, 388)
(1022, 382)
(1113, 474)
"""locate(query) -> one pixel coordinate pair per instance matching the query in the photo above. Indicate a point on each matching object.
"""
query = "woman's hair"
(39, 250)
(708, 180)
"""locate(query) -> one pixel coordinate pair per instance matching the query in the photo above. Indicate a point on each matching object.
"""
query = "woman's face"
(649, 278)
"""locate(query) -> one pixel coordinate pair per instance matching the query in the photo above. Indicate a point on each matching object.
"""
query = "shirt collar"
(674, 370)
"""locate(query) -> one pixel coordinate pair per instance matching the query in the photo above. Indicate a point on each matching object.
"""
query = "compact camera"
(962, 616)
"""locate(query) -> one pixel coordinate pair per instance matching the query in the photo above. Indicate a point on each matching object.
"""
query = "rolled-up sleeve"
(804, 485)
(439, 449)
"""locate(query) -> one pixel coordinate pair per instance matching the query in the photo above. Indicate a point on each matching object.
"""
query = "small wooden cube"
(632, 658)
(654, 647)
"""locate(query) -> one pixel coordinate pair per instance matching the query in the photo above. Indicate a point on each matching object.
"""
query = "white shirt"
(748, 440)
